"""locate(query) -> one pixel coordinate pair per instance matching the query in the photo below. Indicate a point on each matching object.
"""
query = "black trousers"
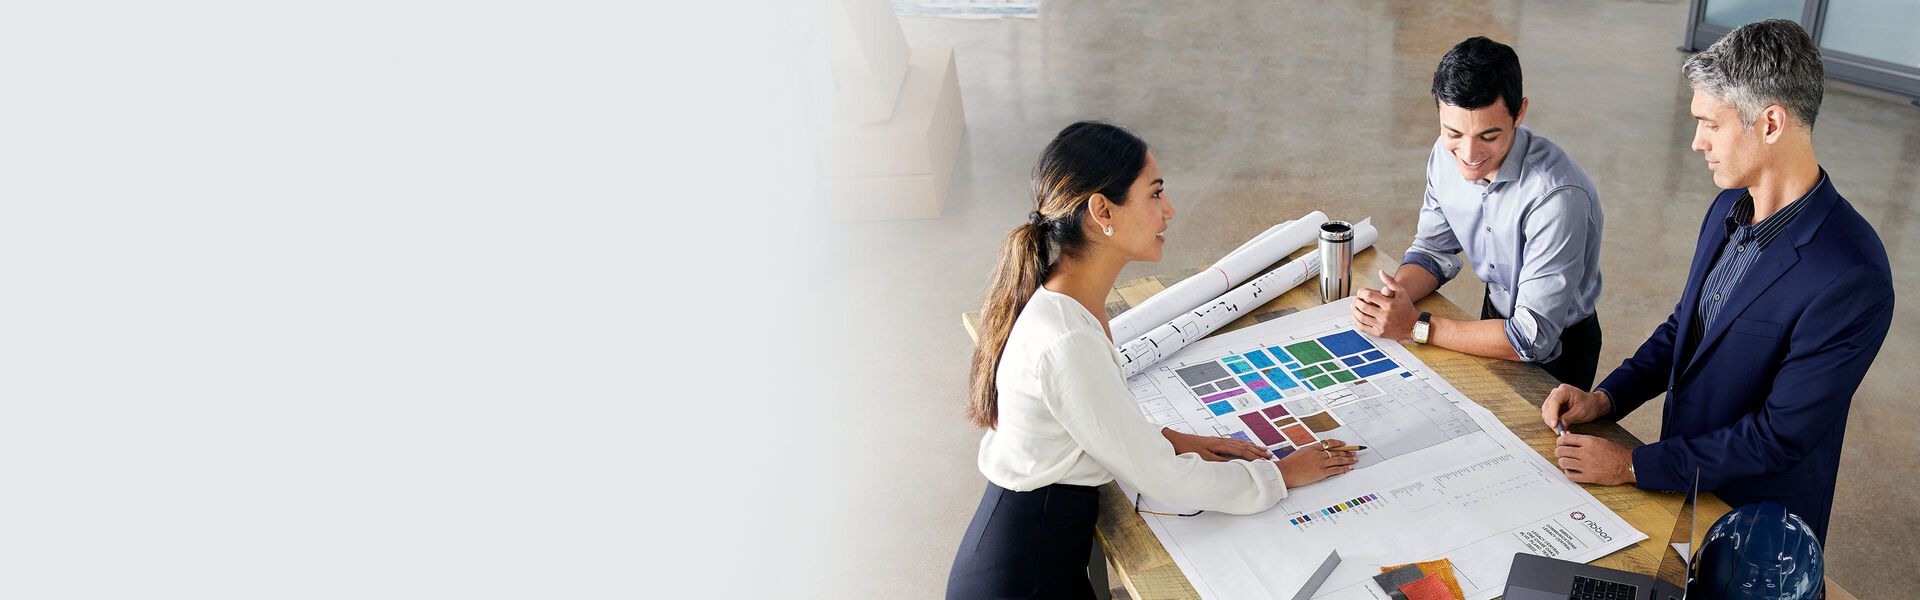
(1579, 348)
(1027, 545)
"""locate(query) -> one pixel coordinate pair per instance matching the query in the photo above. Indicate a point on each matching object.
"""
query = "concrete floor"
(1262, 110)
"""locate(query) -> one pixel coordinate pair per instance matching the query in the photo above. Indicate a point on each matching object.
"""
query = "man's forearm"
(1485, 337)
(1416, 280)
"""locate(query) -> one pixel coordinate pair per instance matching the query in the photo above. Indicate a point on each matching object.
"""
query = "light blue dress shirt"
(1533, 234)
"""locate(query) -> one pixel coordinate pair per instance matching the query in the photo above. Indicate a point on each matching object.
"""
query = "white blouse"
(1065, 416)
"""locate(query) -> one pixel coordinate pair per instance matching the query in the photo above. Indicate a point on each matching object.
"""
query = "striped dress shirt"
(1744, 244)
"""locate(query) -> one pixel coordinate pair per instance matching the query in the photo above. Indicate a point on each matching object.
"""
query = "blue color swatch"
(1280, 355)
(1259, 359)
(1371, 369)
(1346, 343)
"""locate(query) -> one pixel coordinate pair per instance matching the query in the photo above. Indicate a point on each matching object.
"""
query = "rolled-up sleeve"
(1553, 263)
(1434, 248)
(1091, 402)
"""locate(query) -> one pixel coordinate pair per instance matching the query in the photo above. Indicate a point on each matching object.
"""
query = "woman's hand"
(1214, 448)
(1313, 463)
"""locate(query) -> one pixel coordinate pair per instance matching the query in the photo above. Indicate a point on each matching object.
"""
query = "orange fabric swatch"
(1442, 568)
(1431, 587)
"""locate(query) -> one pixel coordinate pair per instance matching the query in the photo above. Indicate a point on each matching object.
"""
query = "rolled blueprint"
(1256, 239)
(1267, 248)
(1142, 352)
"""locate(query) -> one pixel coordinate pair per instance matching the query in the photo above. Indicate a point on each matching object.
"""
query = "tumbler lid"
(1336, 231)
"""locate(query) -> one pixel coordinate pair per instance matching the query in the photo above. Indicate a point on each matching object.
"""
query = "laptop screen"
(1673, 564)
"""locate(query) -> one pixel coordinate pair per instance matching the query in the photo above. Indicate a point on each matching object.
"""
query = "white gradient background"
(408, 300)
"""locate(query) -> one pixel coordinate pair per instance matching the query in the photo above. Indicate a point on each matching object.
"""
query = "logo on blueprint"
(1581, 517)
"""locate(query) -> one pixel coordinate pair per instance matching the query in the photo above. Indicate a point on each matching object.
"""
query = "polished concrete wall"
(1263, 110)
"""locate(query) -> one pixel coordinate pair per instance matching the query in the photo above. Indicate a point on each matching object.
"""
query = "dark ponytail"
(1086, 158)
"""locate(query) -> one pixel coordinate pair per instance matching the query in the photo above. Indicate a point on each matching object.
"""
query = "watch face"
(1420, 332)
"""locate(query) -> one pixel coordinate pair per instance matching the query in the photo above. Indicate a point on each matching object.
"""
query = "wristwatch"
(1423, 328)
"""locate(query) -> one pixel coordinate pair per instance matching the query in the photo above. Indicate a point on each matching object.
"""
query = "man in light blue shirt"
(1524, 213)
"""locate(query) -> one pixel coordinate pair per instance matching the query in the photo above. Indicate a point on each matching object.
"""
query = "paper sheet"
(1170, 337)
(1442, 477)
(1261, 252)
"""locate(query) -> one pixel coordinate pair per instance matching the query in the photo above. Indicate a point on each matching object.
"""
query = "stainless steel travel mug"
(1336, 261)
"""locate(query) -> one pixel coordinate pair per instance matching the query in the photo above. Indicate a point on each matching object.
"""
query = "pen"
(1560, 426)
(1347, 449)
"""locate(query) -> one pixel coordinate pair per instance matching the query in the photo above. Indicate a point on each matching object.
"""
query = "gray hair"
(1759, 64)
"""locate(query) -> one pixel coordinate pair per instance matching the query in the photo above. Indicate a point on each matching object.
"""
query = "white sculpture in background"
(890, 131)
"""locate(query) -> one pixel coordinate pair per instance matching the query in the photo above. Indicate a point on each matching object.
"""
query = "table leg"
(1097, 573)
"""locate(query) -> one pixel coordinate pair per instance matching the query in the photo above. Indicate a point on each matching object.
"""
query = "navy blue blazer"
(1760, 406)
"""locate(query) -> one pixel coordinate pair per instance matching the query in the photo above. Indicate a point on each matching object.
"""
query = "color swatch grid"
(1337, 508)
(1275, 426)
(1337, 358)
(1241, 381)
(1238, 379)
(1315, 364)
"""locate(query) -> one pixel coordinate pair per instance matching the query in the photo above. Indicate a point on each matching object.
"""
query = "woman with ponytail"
(1046, 384)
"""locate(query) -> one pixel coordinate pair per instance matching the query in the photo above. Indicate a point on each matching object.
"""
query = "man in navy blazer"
(1787, 302)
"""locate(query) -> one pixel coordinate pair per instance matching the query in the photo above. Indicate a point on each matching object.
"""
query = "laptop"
(1540, 578)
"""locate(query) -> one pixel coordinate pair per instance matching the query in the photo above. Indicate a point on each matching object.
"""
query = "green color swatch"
(1309, 352)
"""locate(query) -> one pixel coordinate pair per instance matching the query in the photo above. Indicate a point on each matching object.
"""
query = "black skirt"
(1027, 545)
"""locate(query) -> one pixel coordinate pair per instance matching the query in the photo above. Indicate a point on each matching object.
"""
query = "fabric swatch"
(1390, 581)
(1431, 587)
(1442, 568)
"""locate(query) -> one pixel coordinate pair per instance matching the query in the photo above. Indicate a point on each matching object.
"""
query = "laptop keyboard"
(1600, 589)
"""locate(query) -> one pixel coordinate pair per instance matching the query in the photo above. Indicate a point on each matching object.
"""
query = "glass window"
(1734, 13)
(1879, 29)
